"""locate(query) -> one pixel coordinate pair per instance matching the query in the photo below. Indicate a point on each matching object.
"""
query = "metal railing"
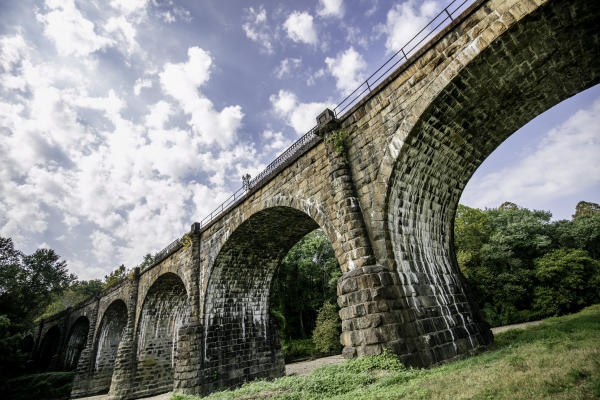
(402, 55)
(310, 138)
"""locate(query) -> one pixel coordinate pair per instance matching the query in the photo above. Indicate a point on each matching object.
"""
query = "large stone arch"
(519, 69)
(76, 342)
(106, 343)
(240, 338)
(49, 348)
(165, 309)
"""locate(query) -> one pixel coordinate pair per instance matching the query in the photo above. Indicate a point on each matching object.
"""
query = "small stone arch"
(106, 343)
(49, 348)
(164, 310)
(76, 342)
(240, 341)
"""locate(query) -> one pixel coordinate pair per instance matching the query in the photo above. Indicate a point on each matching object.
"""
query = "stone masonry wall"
(164, 311)
(108, 338)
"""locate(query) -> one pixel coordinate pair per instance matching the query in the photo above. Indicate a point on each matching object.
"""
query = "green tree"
(148, 261)
(76, 293)
(115, 276)
(309, 272)
(586, 208)
(326, 335)
(568, 280)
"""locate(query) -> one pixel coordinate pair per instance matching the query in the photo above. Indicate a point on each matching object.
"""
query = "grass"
(48, 385)
(558, 359)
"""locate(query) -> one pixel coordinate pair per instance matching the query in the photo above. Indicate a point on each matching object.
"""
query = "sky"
(123, 122)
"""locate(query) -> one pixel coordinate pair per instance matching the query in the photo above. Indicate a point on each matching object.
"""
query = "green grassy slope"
(558, 359)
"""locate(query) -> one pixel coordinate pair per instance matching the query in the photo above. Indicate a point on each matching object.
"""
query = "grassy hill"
(558, 359)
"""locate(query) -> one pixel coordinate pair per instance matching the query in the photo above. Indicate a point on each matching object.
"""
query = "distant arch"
(164, 310)
(108, 336)
(76, 342)
(49, 348)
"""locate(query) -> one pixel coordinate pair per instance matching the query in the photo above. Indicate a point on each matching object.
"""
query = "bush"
(296, 349)
(46, 386)
(326, 335)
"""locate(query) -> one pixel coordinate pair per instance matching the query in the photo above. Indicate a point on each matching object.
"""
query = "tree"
(115, 277)
(309, 272)
(75, 294)
(568, 280)
(148, 261)
(586, 208)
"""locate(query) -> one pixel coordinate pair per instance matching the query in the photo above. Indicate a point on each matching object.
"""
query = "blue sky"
(122, 122)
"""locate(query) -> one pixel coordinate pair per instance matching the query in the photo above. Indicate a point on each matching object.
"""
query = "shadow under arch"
(240, 337)
(107, 339)
(547, 57)
(76, 342)
(49, 348)
(164, 310)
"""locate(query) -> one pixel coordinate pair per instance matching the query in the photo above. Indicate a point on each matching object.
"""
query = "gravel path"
(305, 367)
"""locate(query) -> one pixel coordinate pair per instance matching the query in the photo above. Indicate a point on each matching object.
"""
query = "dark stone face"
(49, 347)
(503, 88)
(76, 342)
(164, 311)
(240, 342)
(109, 336)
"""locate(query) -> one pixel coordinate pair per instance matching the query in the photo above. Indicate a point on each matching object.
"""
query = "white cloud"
(275, 141)
(405, 20)
(564, 163)
(300, 116)
(124, 31)
(140, 84)
(300, 28)
(286, 66)
(257, 29)
(331, 8)
(182, 82)
(348, 70)
(129, 6)
(71, 33)
(131, 187)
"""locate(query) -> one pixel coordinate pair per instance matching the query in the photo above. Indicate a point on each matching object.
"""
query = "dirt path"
(305, 367)
(522, 325)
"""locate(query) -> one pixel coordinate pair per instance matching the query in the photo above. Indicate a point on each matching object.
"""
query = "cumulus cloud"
(121, 187)
(257, 29)
(348, 69)
(300, 116)
(286, 66)
(405, 20)
(182, 82)
(275, 141)
(70, 31)
(565, 162)
(331, 8)
(140, 84)
(300, 28)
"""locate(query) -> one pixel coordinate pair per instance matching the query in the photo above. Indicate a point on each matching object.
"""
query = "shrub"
(49, 385)
(326, 335)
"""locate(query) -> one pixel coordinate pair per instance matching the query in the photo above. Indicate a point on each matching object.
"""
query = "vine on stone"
(338, 138)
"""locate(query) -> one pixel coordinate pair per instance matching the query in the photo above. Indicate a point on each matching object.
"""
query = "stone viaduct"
(198, 319)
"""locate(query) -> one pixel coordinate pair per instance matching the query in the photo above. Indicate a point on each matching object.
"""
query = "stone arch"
(309, 207)
(107, 339)
(76, 342)
(537, 62)
(165, 309)
(240, 341)
(49, 348)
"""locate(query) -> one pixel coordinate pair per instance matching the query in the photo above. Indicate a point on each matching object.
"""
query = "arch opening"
(76, 342)
(108, 337)
(534, 65)
(49, 348)
(164, 311)
(240, 336)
